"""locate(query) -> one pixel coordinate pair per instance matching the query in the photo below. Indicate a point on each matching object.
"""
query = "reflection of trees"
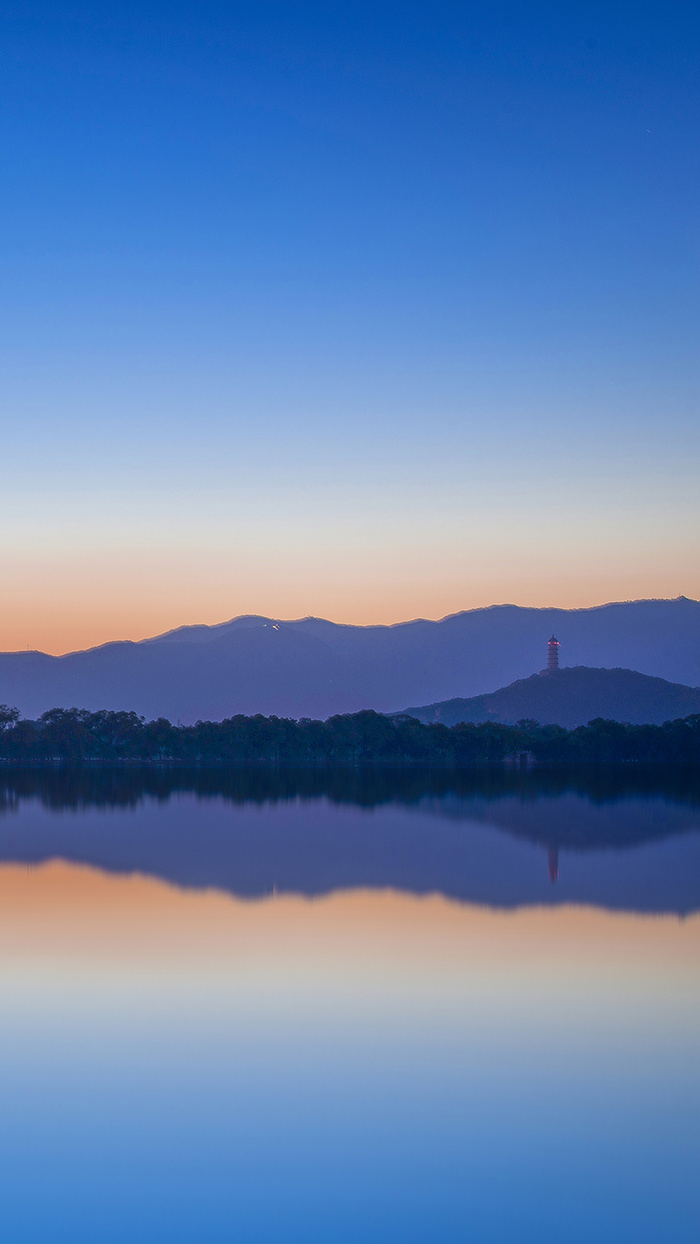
(461, 793)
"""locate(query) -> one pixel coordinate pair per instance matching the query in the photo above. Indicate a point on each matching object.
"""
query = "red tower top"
(553, 654)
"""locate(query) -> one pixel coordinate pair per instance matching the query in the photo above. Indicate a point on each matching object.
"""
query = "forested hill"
(314, 668)
(572, 697)
(360, 738)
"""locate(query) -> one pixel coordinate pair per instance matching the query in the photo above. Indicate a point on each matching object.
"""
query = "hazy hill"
(316, 668)
(572, 697)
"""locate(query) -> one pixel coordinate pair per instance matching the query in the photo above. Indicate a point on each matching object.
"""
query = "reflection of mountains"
(627, 841)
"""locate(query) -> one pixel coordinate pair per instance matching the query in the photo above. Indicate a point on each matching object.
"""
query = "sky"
(366, 311)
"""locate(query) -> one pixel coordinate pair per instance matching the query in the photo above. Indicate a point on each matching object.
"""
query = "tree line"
(349, 738)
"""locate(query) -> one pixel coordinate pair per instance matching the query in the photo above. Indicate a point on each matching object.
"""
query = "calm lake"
(284, 1007)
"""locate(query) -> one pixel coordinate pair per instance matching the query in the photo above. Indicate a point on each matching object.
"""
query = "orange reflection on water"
(68, 911)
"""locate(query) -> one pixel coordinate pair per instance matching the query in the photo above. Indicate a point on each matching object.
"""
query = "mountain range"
(315, 668)
(572, 697)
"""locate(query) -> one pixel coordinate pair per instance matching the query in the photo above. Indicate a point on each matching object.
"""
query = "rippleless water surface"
(263, 1010)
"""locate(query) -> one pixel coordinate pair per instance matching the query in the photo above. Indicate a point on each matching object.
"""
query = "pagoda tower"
(552, 655)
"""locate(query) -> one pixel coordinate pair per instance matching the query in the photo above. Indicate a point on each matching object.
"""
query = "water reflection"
(553, 862)
(615, 839)
(74, 786)
(462, 1037)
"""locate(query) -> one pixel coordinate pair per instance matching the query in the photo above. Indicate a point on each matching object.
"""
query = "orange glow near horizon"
(56, 624)
(103, 569)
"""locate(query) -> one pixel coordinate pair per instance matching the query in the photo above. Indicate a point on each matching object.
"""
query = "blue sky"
(367, 311)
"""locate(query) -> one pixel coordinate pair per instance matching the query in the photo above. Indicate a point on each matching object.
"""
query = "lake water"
(349, 1007)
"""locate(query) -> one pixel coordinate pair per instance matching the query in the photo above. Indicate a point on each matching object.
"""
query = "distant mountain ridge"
(572, 697)
(315, 668)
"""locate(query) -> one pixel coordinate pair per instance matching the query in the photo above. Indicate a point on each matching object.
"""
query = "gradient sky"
(367, 311)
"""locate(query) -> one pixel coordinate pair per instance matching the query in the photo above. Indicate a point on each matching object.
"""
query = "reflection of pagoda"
(553, 862)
